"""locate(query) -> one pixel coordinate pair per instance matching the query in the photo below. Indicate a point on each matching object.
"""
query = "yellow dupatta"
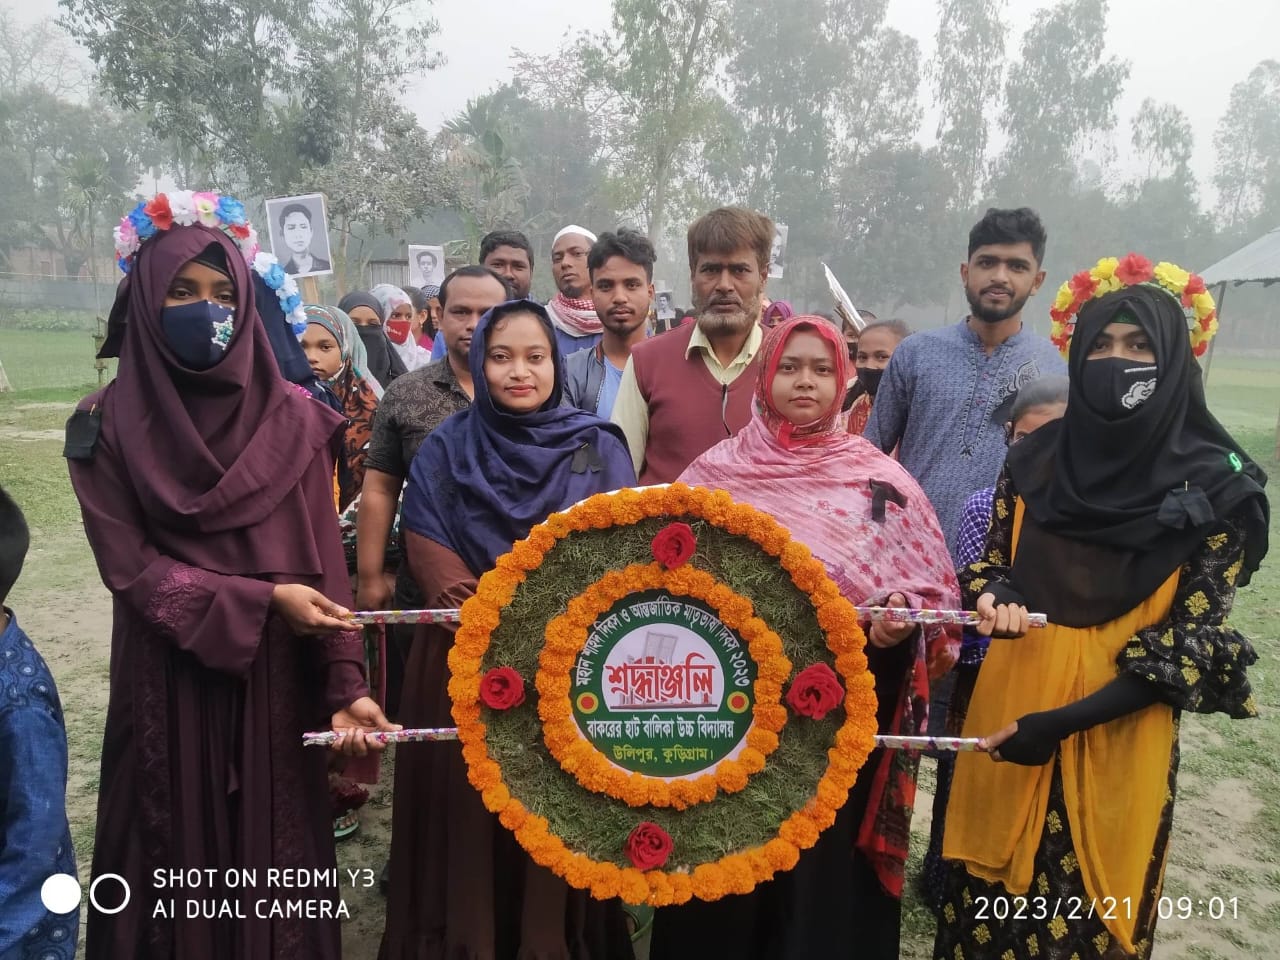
(1114, 776)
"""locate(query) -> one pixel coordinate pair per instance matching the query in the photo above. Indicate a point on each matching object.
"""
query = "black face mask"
(869, 378)
(375, 341)
(197, 333)
(1115, 387)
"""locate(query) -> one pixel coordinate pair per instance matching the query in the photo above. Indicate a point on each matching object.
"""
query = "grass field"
(35, 360)
(1227, 828)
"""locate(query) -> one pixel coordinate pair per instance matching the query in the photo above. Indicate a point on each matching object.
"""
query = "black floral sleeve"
(1196, 660)
(991, 571)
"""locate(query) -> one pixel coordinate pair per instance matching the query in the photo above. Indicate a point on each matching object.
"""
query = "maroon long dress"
(202, 491)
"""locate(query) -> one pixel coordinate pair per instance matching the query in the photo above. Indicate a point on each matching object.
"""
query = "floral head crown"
(1110, 274)
(184, 208)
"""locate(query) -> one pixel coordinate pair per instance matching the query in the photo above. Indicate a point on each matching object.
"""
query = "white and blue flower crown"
(184, 208)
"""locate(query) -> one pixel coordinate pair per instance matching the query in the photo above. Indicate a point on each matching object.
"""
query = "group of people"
(972, 467)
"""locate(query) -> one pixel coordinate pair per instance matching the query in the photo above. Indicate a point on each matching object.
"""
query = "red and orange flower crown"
(1110, 274)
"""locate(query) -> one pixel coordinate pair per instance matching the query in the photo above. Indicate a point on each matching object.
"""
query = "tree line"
(811, 111)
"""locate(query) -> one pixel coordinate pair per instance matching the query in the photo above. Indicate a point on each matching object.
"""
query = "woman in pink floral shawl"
(869, 522)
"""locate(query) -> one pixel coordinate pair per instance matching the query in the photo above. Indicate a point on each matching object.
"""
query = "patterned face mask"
(1115, 387)
(198, 333)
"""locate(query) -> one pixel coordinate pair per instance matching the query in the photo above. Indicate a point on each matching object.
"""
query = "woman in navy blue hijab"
(460, 885)
(491, 472)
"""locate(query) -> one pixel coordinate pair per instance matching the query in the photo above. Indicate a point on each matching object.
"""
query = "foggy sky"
(1177, 52)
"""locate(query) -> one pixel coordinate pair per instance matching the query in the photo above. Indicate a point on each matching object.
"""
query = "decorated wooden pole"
(99, 338)
(866, 614)
(326, 738)
(1208, 361)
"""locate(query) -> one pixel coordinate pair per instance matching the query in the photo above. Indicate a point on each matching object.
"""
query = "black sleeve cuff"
(1004, 593)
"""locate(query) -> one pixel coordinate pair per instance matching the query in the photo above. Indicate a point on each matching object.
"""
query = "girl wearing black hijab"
(1130, 522)
(367, 313)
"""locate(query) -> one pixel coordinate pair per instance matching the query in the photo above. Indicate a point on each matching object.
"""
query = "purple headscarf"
(486, 476)
(214, 456)
(775, 313)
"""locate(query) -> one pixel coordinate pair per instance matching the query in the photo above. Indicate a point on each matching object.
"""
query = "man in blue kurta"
(939, 401)
(939, 398)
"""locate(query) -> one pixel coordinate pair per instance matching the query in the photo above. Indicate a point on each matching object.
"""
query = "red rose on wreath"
(648, 845)
(815, 691)
(502, 688)
(674, 544)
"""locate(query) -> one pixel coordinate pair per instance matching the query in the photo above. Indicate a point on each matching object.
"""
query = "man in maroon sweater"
(685, 391)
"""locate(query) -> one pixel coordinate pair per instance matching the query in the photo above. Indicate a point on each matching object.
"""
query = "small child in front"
(35, 840)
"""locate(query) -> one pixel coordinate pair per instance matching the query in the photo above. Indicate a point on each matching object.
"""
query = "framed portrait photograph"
(778, 253)
(299, 232)
(666, 305)
(426, 265)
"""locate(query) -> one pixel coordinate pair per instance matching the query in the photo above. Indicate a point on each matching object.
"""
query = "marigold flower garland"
(737, 872)
(565, 638)
(1110, 274)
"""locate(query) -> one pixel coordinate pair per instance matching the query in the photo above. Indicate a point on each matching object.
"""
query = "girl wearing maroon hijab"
(205, 482)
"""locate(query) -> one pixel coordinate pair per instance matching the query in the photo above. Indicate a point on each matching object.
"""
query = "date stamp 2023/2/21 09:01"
(1104, 908)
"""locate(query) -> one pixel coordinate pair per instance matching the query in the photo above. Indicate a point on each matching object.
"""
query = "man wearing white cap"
(572, 310)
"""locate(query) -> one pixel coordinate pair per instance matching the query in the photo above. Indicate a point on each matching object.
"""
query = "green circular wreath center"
(663, 687)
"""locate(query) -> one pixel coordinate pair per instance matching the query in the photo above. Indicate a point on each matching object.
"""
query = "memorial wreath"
(662, 695)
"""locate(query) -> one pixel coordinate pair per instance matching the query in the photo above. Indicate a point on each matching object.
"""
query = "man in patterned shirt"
(940, 397)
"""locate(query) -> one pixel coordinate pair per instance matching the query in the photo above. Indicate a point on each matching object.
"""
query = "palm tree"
(495, 178)
(87, 183)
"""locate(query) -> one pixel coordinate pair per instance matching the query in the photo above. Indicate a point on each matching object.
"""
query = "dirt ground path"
(1211, 855)
(66, 611)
